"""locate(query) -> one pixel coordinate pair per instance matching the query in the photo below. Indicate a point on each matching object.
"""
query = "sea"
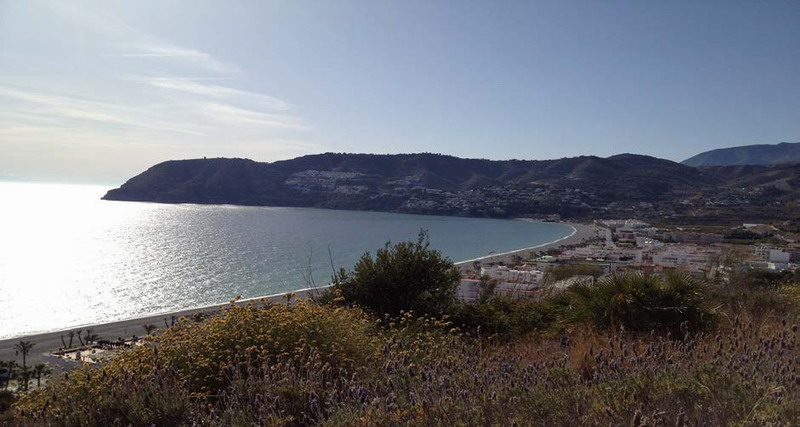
(68, 258)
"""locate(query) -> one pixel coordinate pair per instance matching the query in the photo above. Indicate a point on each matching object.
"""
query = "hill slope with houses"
(577, 187)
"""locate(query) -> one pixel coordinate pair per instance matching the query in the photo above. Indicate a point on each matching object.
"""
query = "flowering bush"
(194, 360)
(326, 365)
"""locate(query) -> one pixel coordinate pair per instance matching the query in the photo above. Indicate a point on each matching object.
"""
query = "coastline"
(517, 251)
(580, 232)
(47, 342)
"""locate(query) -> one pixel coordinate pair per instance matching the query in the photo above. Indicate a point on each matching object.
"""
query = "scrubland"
(637, 349)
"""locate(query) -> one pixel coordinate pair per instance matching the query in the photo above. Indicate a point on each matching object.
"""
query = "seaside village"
(616, 246)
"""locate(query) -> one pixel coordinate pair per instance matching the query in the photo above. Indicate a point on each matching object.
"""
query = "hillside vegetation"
(633, 350)
(624, 185)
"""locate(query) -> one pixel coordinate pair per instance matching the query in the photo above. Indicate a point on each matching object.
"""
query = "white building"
(772, 266)
(779, 256)
(469, 290)
(648, 242)
(778, 266)
(762, 251)
(518, 276)
(510, 289)
(514, 282)
(690, 259)
(624, 255)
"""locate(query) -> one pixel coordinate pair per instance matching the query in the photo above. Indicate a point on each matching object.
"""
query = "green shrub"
(503, 316)
(6, 399)
(639, 301)
(407, 276)
(635, 301)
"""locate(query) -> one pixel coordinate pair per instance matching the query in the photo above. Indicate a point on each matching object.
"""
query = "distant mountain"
(764, 154)
(783, 178)
(624, 185)
(418, 183)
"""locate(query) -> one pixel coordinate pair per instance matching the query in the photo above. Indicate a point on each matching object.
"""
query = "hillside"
(579, 187)
(419, 183)
(784, 177)
(748, 192)
(763, 154)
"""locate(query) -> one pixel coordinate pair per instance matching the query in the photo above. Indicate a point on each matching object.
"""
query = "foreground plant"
(420, 371)
(640, 301)
(406, 276)
(633, 350)
(195, 361)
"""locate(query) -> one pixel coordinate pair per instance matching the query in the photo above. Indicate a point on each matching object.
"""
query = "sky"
(98, 91)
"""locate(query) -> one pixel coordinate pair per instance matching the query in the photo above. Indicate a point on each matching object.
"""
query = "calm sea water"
(69, 259)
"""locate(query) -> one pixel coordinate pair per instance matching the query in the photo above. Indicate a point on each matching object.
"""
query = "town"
(618, 246)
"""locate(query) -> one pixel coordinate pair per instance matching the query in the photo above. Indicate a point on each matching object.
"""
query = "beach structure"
(522, 274)
(469, 290)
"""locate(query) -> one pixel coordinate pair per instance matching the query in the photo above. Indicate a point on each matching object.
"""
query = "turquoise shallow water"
(68, 259)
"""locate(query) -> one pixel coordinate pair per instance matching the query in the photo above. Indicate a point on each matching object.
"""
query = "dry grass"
(322, 365)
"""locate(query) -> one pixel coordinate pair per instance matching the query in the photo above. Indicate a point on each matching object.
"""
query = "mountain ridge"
(758, 154)
(427, 183)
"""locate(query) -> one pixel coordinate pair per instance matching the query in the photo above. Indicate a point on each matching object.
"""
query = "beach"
(45, 343)
(581, 233)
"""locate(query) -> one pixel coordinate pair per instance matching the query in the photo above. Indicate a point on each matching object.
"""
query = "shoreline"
(580, 232)
(517, 251)
(47, 342)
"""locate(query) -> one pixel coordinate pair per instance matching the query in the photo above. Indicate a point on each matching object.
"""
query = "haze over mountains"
(577, 187)
(761, 154)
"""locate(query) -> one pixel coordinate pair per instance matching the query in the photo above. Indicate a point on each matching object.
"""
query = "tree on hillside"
(405, 276)
(24, 347)
(41, 369)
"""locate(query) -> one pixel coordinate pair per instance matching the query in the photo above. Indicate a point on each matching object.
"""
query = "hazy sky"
(101, 90)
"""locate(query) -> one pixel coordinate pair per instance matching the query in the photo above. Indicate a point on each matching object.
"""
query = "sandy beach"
(581, 233)
(51, 341)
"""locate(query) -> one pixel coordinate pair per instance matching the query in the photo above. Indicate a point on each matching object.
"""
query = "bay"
(69, 259)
